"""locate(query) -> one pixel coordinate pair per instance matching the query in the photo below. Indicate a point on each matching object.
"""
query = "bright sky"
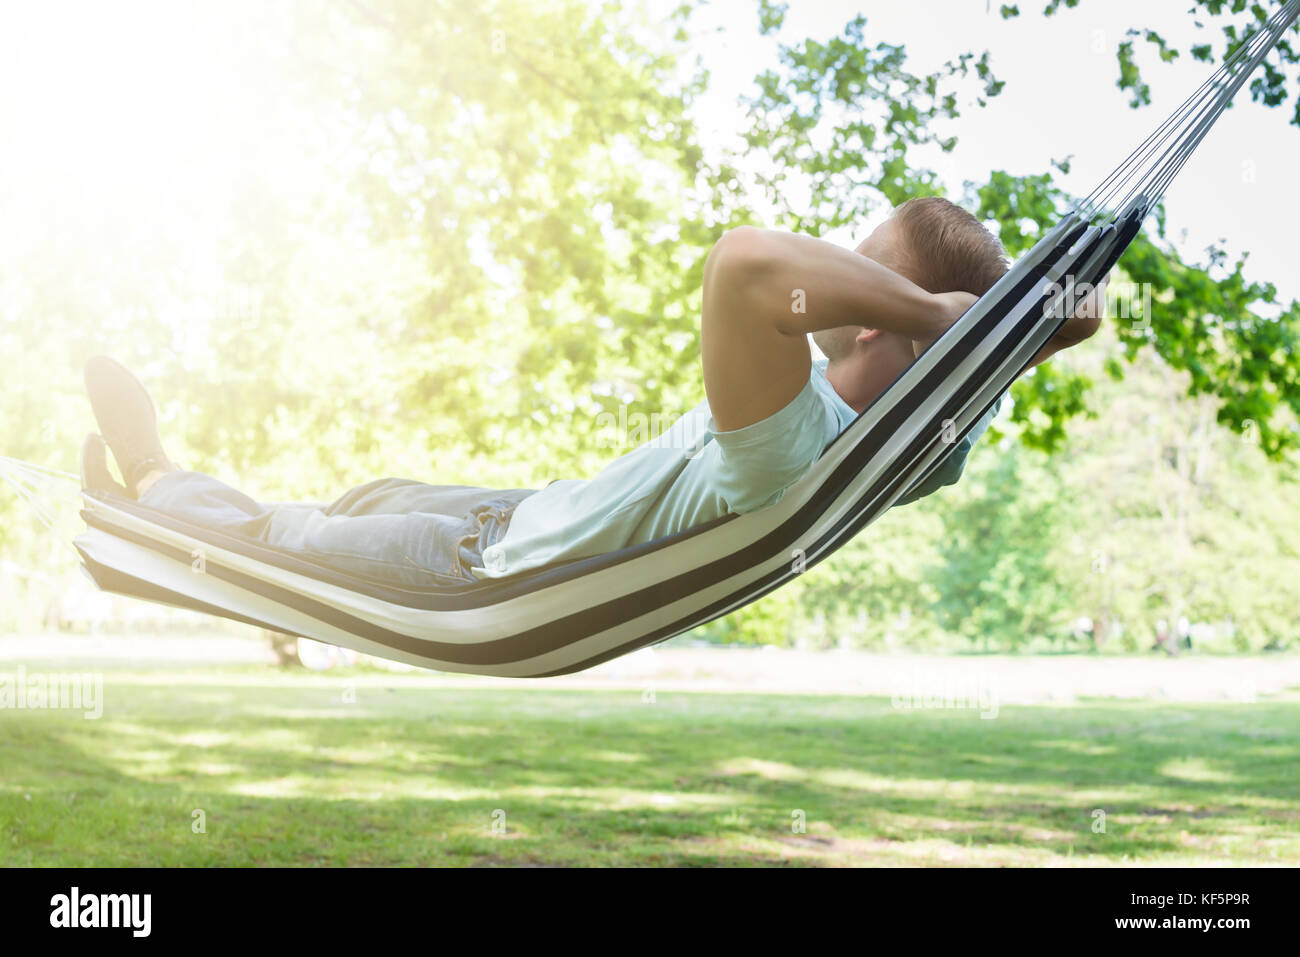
(1060, 99)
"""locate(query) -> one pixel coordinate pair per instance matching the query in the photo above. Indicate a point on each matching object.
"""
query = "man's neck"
(852, 381)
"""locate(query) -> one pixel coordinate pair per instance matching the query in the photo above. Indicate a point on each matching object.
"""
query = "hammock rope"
(33, 483)
(1149, 169)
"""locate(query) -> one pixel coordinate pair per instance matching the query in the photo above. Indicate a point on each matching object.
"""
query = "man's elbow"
(1080, 328)
(1072, 333)
(1087, 318)
(738, 258)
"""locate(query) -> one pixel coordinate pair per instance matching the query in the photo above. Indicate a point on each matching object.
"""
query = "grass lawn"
(379, 769)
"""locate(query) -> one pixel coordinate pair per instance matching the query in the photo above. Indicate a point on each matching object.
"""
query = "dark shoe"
(95, 476)
(127, 420)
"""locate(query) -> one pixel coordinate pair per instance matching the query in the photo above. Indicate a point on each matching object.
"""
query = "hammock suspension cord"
(1147, 172)
(33, 483)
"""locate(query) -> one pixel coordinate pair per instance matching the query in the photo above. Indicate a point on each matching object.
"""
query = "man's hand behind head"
(952, 305)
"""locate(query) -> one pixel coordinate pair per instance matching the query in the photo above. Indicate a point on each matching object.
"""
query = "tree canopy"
(440, 240)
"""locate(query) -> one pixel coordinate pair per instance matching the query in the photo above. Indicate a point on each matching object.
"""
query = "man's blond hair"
(946, 248)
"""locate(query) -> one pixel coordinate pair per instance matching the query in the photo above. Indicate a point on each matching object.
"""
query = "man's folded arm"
(765, 290)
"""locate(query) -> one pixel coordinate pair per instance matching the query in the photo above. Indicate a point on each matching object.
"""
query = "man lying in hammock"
(771, 411)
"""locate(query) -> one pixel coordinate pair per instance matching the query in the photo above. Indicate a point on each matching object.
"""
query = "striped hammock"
(571, 616)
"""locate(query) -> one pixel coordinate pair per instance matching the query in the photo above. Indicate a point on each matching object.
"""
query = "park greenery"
(418, 770)
(443, 240)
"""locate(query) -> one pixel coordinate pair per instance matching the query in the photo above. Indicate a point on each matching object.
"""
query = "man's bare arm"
(754, 339)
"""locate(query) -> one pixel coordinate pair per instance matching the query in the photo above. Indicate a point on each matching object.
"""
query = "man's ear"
(866, 335)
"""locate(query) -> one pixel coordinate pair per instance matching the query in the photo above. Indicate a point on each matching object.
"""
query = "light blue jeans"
(397, 530)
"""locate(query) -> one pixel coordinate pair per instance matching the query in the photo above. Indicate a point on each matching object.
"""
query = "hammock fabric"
(572, 616)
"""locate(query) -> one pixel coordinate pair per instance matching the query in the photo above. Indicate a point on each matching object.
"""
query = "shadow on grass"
(309, 770)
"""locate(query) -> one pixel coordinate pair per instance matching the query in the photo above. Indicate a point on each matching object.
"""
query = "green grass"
(285, 772)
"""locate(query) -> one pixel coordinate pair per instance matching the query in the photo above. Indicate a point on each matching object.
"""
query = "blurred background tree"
(438, 240)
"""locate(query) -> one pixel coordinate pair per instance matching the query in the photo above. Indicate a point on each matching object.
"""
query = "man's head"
(937, 245)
